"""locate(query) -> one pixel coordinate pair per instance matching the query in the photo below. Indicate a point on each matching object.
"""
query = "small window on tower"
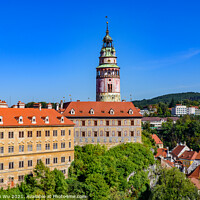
(109, 87)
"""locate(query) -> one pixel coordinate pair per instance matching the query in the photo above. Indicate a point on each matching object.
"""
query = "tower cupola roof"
(107, 38)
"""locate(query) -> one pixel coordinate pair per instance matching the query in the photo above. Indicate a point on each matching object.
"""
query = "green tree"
(61, 186)
(45, 179)
(172, 103)
(96, 187)
(173, 184)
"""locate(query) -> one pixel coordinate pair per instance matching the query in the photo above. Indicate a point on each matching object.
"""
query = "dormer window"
(1, 120)
(92, 111)
(46, 119)
(130, 112)
(72, 112)
(33, 120)
(111, 111)
(20, 121)
(62, 120)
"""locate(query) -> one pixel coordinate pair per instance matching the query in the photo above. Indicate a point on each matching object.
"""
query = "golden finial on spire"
(107, 31)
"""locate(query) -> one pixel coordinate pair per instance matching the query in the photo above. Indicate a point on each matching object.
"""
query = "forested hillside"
(192, 96)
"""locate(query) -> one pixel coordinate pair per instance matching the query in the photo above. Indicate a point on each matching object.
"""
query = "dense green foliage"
(106, 171)
(42, 182)
(177, 97)
(186, 129)
(173, 184)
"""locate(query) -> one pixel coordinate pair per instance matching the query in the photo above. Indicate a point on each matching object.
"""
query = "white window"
(30, 163)
(55, 160)
(1, 166)
(72, 112)
(55, 145)
(33, 120)
(62, 145)
(21, 164)
(62, 132)
(10, 149)
(47, 120)
(30, 147)
(39, 147)
(1, 135)
(92, 111)
(1, 149)
(112, 112)
(47, 161)
(62, 120)
(21, 148)
(20, 120)
(1, 120)
(47, 146)
(130, 112)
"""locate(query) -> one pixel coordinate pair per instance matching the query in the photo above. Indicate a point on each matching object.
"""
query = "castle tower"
(108, 76)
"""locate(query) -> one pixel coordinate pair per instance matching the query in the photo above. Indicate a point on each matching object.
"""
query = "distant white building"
(191, 111)
(179, 110)
(156, 122)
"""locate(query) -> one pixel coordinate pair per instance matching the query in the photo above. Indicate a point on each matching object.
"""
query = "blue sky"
(50, 49)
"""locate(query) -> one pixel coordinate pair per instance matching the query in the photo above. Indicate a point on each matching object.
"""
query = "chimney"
(123, 100)
(20, 104)
(61, 104)
(185, 143)
(78, 100)
(37, 105)
(3, 104)
(57, 106)
(40, 106)
(167, 151)
(49, 106)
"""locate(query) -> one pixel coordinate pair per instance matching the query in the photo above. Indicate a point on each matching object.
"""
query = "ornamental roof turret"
(107, 40)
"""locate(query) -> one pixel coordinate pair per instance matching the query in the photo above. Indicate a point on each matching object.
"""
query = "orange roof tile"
(10, 117)
(157, 139)
(101, 109)
(161, 152)
(188, 155)
(198, 156)
(177, 150)
(195, 173)
(169, 162)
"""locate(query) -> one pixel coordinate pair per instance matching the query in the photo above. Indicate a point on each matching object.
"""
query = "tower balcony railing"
(108, 76)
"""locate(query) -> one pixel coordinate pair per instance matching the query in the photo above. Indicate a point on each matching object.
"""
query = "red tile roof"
(198, 156)
(157, 139)
(10, 117)
(177, 150)
(101, 109)
(188, 155)
(161, 152)
(169, 162)
(195, 173)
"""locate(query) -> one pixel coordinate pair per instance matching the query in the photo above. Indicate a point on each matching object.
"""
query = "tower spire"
(107, 31)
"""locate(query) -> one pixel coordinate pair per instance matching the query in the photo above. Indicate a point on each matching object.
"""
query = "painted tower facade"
(108, 73)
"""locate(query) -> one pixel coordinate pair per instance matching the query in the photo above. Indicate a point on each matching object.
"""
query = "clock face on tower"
(108, 78)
